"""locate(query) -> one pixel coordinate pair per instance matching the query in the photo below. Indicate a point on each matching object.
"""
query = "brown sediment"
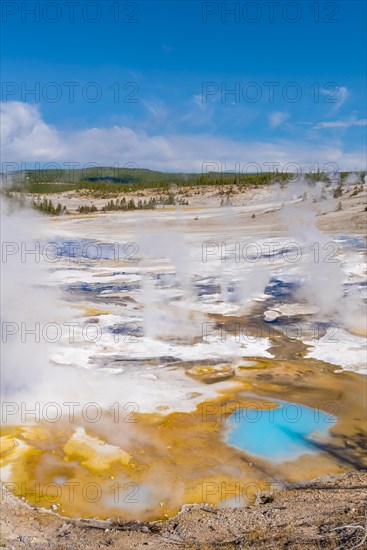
(90, 311)
(252, 325)
(208, 373)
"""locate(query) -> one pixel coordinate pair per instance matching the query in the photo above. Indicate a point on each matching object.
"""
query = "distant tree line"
(123, 204)
(42, 182)
(85, 209)
(46, 206)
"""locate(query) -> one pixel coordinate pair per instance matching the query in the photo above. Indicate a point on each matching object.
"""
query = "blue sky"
(162, 72)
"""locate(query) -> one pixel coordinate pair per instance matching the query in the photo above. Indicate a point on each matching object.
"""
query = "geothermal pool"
(162, 338)
(278, 434)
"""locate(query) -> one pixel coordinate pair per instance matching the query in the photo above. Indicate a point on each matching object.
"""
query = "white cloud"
(26, 137)
(277, 118)
(23, 131)
(198, 100)
(156, 109)
(340, 124)
(336, 95)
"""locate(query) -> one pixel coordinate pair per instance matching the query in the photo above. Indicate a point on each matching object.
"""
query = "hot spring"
(154, 376)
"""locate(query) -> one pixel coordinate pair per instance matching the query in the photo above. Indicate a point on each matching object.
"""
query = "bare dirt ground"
(323, 514)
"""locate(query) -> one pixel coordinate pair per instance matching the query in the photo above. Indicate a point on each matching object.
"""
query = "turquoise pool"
(278, 434)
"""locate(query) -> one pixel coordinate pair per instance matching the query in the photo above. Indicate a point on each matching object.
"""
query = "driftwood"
(354, 528)
(324, 487)
(118, 525)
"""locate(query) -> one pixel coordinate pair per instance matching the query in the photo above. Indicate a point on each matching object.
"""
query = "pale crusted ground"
(352, 218)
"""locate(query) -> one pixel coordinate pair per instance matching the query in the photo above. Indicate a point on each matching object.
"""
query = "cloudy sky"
(174, 84)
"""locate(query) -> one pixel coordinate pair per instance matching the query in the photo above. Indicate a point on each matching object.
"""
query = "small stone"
(149, 376)
(265, 499)
(193, 394)
(271, 315)
(64, 529)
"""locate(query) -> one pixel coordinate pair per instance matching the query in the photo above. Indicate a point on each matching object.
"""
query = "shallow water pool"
(280, 433)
